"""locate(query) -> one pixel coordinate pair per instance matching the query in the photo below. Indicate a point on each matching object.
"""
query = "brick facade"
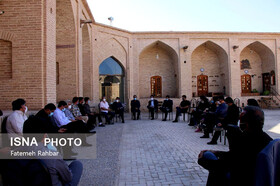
(36, 37)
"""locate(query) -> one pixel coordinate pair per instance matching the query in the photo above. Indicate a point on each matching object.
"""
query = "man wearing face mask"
(92, 115)
(220, 114)
(166, 107)
(135, 107)
(45, 115)
(16, 120)
(118, 108)
(237, 166)
(105, 110)
(153, 107)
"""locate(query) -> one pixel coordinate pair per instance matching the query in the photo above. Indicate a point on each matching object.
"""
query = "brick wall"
(165, 66)
(5, 59)
(22, 26)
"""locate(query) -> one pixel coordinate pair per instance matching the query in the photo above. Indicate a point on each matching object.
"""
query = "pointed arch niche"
(211, 60)
(111, 79)
(158, 59)
(258, 61)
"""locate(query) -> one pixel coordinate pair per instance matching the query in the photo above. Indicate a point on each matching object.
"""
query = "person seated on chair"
(45, 115)
(166, 107)
(208, 117)
(198, 111)
(67, 111)
(220, 114)
(91, 115)
(60, 172)
(105, 110)
(153, 107)
(135, 107)
(81, 107)
(63, 122)
(76, 110)
(237, 166)
(16, 120)
(231, 118)
(118, 108)
(183, 107)
(252, 102)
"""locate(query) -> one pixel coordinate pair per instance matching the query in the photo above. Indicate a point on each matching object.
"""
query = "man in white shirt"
(105, 110)
(16, 120)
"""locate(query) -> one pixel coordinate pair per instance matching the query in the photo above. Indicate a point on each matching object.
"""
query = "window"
(156, 86)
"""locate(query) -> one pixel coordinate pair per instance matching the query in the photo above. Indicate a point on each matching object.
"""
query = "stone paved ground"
(149, 152)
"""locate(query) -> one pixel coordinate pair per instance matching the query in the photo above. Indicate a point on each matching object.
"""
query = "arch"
(258, 60)
(158, 59)
(112, 47)
(111, 79)
(210, 59)
(8, 36)
(66, 54)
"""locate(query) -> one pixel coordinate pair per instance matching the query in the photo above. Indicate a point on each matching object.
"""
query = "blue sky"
(189, 15)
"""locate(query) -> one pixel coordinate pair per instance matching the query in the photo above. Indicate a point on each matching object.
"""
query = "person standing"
(135, 107)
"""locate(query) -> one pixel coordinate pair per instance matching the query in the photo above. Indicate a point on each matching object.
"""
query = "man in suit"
(166, 106)
(153, 107)
(118, 108)
(135, 107)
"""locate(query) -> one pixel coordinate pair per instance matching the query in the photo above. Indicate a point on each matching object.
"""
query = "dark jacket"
(86, 109)
(232, 116)
(135, 104)
(155, 104)
(168, 104)
(47, 120)
(116, 106)
(81, 107)
(240, 160)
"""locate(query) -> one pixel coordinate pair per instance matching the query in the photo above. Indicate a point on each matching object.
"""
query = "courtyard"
(146, 152)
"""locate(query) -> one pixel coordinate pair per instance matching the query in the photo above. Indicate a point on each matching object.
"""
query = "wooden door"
(246, 83)
(156, 86)
(266, 81)
(202, 85)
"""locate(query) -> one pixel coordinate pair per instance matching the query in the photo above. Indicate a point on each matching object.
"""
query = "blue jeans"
(209, 155)
(76, 168)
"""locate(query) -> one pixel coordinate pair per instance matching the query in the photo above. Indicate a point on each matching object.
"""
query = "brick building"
(49, 51)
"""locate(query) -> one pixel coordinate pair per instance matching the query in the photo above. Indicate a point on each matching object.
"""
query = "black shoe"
(205, 136)
(175, 121)
(152, 119)
(86, 144)
(134, 118)
(164, 120)
(212, 143)
(191, 124)
(101, 125)
(122, 121)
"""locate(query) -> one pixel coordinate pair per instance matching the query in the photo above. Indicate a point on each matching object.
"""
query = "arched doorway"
(202, 85)
(158, 59)
(111, 79)
(156, 86)
(210, 72)
(246, 83)
(258, 62)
